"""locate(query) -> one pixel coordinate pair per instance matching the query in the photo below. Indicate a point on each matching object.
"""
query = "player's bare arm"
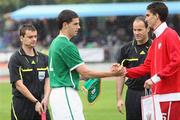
(23, 89)
(87, 73)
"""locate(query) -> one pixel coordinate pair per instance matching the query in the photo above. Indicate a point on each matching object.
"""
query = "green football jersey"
(64, 57)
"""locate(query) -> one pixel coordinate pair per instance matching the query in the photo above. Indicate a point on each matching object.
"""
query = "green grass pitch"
(103, 109)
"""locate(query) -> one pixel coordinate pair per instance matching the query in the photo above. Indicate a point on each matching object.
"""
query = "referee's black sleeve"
(14, 69)
(121, 55)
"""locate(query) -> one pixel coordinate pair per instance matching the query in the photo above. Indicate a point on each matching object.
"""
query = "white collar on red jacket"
(160, 29)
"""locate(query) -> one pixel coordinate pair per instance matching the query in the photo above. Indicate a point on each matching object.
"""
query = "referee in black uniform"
(29, 78)
(133, 54)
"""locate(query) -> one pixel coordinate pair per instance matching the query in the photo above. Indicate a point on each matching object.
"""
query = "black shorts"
(133, 104)
(23, 109)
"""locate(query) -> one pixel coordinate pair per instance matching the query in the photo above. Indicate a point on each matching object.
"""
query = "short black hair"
(141, 18)
(159, 8)
(26, 27)
(66, 16)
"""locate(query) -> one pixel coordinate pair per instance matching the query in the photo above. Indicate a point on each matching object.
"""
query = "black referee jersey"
(132, 55)
(31, 69)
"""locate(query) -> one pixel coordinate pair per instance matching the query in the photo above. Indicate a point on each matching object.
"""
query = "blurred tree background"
(11, 5)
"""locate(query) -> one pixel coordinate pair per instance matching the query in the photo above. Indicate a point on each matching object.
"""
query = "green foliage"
(9, 5)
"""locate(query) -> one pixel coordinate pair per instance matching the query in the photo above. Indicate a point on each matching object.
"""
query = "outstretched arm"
(87, 73)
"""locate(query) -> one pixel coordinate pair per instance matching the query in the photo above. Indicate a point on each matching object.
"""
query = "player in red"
(162, 61)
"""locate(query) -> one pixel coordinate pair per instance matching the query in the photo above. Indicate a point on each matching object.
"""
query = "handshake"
(118, 70)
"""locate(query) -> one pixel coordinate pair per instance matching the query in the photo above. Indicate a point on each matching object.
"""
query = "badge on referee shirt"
(41, 75)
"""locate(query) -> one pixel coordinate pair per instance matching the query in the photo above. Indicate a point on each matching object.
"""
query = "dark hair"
(141, 18)
(159, 8)
(66, 16)
(26, 27)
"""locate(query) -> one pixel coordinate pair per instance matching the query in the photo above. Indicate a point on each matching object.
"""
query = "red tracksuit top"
(163, 59)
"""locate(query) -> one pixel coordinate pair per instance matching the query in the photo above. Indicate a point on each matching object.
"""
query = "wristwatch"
(36, 102)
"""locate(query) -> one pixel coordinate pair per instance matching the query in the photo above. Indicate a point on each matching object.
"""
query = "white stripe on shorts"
(66, 104)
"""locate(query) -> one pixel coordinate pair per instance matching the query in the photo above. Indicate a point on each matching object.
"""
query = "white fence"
(93, 56)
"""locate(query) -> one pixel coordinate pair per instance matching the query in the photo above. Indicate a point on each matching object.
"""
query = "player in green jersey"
(65, 67)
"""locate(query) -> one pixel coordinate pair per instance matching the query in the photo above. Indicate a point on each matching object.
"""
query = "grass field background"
(103, 109)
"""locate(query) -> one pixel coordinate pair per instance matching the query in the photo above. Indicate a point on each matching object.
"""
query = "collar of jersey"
(21, 51)
(61, 35)
(160, 29)
(134, 42)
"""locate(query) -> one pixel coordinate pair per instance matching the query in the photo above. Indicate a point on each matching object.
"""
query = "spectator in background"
(176, 23)
(10, 36)
(111, 24)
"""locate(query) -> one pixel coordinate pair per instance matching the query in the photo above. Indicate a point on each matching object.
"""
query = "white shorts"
(66, 104)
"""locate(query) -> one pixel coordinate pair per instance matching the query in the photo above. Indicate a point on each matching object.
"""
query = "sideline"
(4, 79)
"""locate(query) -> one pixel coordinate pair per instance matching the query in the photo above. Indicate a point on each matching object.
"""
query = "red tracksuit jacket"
(163, 59)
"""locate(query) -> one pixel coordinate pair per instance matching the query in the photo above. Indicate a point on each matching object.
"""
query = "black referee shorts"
(133, 104)
(23, 109)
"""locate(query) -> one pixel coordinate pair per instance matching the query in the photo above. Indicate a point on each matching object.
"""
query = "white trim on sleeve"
(76, 66)
(155, 78)
(72, 81)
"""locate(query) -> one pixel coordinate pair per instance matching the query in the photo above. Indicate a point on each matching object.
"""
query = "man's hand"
(118, 70)
(148, 84)
(44, 103)
(38, 108)
(83, 78)
(115, 67)
(120, 105)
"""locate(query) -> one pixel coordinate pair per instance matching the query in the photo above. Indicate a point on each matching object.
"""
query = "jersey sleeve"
(173, 44)
(46, 64)
(71, 57)
(120, 55)
(143, 69)
(14, 69)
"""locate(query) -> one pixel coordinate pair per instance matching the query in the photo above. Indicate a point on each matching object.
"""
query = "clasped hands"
(41, 106)
(119, 70)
